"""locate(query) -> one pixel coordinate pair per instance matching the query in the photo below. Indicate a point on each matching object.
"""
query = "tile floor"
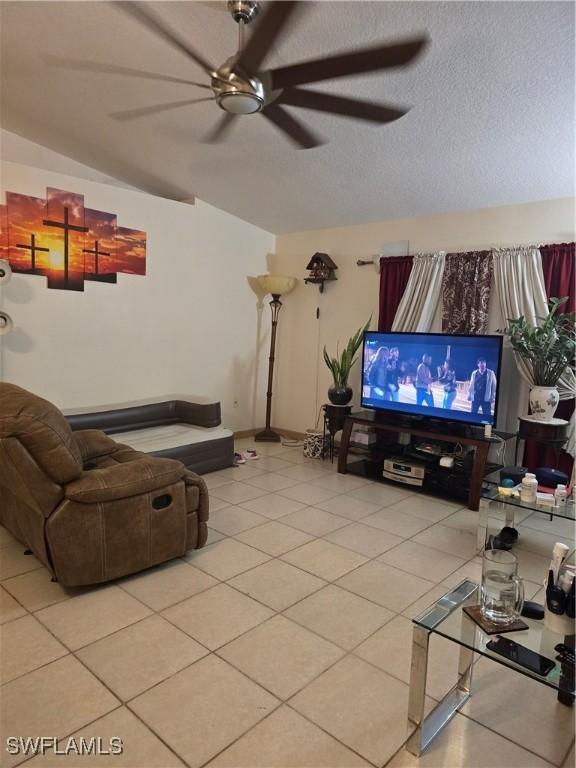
(283, 643)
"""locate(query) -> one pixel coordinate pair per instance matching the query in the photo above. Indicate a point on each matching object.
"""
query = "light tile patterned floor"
(285, 643)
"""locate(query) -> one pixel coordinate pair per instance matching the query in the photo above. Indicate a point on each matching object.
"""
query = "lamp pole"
(268, 435)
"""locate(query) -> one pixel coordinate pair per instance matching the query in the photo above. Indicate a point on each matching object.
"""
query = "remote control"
(563, 648)
(533, 611)
(567, 658)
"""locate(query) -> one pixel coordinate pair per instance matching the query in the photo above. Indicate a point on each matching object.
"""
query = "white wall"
(17, 149)
(191, 325)
(302, 378)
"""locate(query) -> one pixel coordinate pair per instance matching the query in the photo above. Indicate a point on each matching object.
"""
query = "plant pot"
(543, 402)
(340, 395)
(313, 444)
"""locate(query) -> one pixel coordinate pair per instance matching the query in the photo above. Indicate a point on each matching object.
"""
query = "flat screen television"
(438, 375)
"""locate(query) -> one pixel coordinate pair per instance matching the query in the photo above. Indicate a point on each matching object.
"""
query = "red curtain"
(394, 274)
(559, 268)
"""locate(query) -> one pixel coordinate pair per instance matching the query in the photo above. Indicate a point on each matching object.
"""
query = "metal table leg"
(510, 516)
(427, 728)
(482, 531)
(417, 694)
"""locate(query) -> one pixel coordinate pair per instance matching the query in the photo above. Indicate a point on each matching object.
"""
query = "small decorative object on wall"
(548, 349)
(321, 269)
(340, 393)
(5, 272)
(67, 243)
(6, 324)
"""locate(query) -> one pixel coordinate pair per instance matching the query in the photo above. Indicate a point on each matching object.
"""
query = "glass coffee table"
(447, 619)
(511, 504)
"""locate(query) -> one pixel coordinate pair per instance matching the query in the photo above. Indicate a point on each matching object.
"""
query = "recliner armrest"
(93, 443)
(121, 481)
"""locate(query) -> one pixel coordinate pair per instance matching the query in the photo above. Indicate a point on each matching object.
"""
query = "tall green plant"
(341, 365)
(549, 347)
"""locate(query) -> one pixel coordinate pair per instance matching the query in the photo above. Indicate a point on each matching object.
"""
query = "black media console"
(463, 480)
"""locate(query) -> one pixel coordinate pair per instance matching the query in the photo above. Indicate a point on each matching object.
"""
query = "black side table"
(334, 418)
(553, 433)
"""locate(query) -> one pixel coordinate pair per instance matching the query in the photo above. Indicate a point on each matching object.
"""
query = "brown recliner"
(89, 508)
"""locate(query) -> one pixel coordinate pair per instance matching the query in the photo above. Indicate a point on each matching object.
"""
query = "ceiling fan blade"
(113, 69)
(132, 114)
(272, 22)
(346, 64)
(159, 27)
(220, 130)
(340, 105)
(294, 129)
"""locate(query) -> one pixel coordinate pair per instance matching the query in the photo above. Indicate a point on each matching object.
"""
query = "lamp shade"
(276, 284)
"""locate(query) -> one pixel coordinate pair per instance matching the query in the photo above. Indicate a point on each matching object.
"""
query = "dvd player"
(402, 471)
(400, 466)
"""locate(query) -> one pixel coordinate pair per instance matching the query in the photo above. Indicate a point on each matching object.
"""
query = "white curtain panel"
(420, 300)
(520, 287)
(519, 284)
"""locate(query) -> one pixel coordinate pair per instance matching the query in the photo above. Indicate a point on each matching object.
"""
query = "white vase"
(543, 402)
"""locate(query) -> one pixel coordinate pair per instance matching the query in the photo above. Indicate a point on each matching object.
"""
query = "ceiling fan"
(240, 87)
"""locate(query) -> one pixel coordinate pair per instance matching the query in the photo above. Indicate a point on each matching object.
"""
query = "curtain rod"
(375, 260)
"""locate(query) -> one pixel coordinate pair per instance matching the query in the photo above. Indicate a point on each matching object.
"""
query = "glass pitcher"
(502, 591)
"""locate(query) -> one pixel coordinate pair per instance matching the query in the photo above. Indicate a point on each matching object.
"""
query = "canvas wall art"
(62, 240)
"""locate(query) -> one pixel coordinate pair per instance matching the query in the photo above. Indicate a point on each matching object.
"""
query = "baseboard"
(290, 433)
(284, 432)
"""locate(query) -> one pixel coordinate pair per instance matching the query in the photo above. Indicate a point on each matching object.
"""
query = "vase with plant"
(548, 349)
(341, 365)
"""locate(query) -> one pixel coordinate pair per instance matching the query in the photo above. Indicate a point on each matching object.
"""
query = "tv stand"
(462, 434)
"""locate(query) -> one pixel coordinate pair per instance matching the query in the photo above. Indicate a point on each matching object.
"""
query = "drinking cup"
(502, 591)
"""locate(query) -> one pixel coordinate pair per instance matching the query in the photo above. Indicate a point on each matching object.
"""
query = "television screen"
(439, 375)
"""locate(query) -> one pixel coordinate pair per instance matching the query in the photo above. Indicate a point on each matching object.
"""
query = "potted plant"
(341, 365)
(548, 349)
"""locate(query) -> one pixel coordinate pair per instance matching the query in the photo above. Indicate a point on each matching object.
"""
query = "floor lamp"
(277, 285)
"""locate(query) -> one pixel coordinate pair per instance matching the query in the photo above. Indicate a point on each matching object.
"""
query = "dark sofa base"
(202, 457)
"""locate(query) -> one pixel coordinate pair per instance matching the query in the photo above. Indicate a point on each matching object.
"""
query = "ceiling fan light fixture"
(240, 103)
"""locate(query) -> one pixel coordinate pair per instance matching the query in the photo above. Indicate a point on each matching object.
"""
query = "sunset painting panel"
(65, 214)
(100, 246)
(4, 232)
(25, 219)
(67, 243)
(131, 251)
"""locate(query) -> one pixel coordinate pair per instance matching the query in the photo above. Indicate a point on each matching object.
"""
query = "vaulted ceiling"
(492, 118)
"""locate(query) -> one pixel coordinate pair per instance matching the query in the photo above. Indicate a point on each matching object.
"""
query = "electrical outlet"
(235, 403)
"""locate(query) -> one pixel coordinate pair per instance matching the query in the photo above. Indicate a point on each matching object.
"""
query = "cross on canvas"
(65, 242)
(34, 249)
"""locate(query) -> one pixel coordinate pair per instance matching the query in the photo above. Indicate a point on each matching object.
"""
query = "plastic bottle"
(528, 488)
(560, 494)
(559, 554)
(566, 577)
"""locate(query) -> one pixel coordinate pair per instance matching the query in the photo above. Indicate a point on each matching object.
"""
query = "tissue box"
(363, 437)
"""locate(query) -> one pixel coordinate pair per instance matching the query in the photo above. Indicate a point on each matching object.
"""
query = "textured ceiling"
(492, 119)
